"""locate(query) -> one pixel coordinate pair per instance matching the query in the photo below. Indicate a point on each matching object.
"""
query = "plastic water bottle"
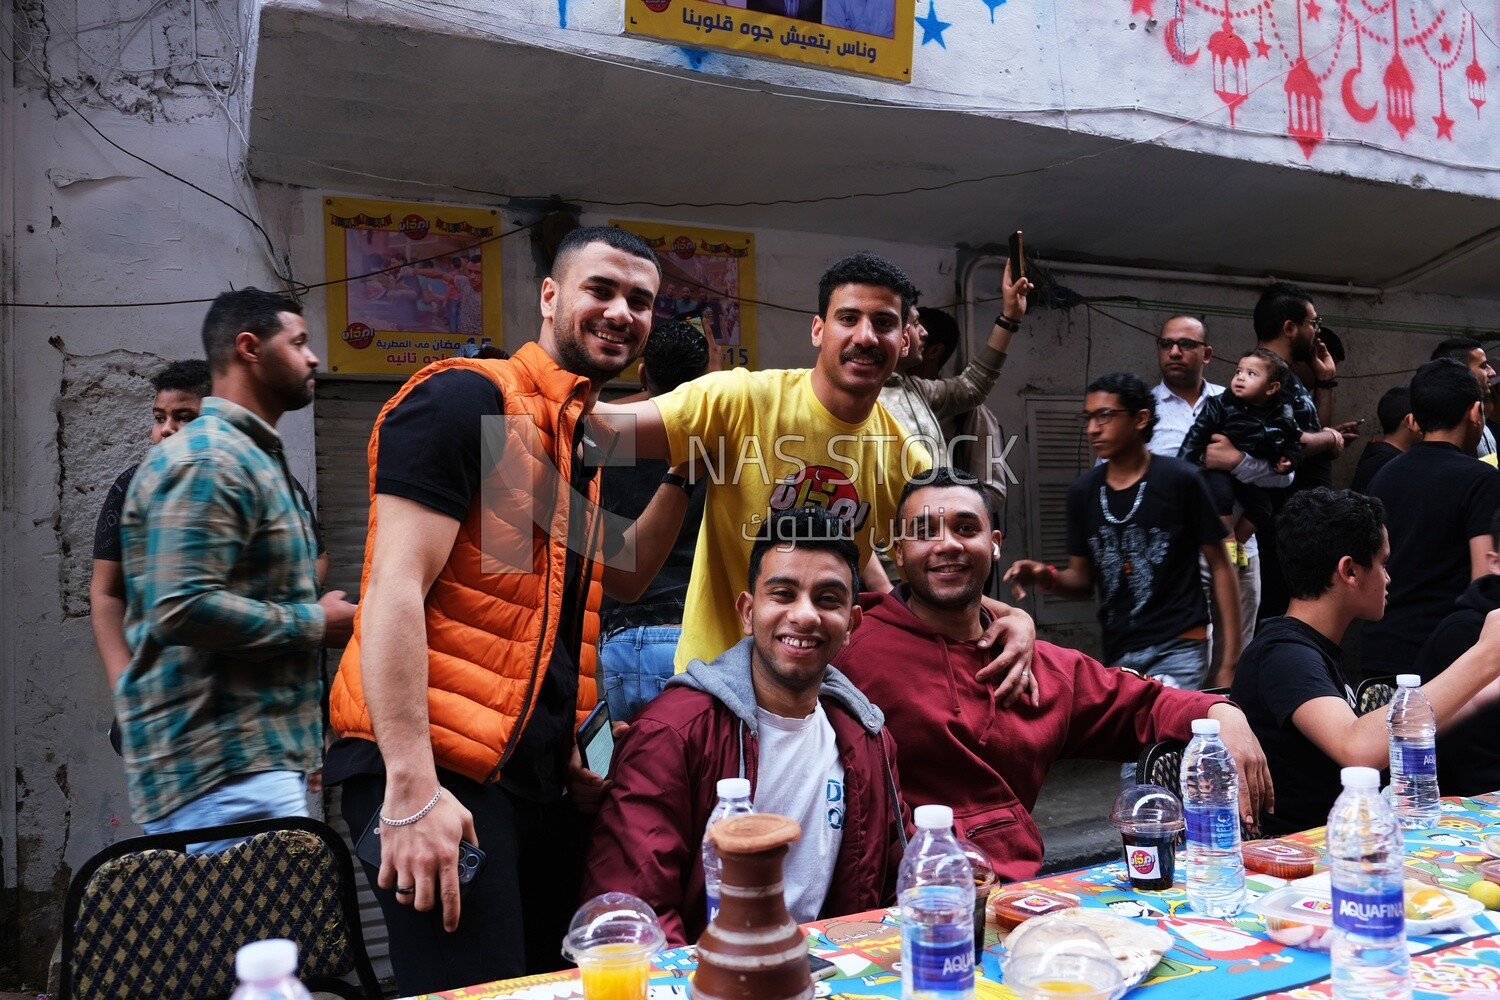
(936, 892)
(1413, 732)
(1365, 855)
(734, 800)
(1211, 800)
(267, 970)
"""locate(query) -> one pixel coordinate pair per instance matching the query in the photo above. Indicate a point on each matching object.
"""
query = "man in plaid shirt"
(219, 706)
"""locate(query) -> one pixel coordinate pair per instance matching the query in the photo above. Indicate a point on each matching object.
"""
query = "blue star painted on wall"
(992, 4)
(932, 27)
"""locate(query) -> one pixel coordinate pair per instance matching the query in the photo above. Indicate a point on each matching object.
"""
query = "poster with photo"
(414, 283)
(708, 279)
(868, 37)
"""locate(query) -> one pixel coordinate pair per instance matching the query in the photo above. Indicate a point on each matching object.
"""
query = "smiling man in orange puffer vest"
(473, 655)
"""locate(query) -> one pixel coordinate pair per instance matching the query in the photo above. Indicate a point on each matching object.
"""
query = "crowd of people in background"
(786, 575)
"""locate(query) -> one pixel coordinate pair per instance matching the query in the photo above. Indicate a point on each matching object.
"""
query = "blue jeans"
(1177, 663)
(264, 795)
(636, 664)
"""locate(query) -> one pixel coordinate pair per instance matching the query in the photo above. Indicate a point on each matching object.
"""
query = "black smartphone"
(367, 849)
(821, 968)
(596, 740)
(1017, 257)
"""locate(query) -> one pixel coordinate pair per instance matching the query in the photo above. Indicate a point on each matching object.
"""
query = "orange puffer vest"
(493, 610)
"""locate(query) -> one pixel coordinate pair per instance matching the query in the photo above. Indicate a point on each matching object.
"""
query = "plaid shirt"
(221, 614)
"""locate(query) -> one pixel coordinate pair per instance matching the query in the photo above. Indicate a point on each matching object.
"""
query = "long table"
(1222, 959)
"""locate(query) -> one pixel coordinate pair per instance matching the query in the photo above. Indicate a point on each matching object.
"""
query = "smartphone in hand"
(367, 849)
(1017, 257)
(596, 740)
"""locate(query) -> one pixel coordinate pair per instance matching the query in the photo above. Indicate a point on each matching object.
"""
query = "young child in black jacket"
(1251, 414)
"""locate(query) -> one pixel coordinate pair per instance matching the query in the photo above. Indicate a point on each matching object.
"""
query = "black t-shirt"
(1144, 550)
(1468, 752)
(1436, 499)
(626, 490)
(1313, 470)
(1286, 665)
(430, 448)
(1371, 461)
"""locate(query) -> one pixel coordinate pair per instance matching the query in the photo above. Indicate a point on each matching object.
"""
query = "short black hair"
(1317, 528)
(610, 236)
(190, 376)
(942, 477)
(1281, 301)
(676, 352)
(866, 269)
(1393, 408)
(1442, 393)
(240, 311)
(1132, 392)
(941, 329)
(810, 528)
(1457, 348)
(1276, 368)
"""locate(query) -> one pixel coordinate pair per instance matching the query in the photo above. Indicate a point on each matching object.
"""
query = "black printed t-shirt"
(430, 448)
(1145, 554)
(1286, 665)
(1436, 499)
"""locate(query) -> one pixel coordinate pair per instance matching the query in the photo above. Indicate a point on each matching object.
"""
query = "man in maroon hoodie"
(772, 710)
(914, 656)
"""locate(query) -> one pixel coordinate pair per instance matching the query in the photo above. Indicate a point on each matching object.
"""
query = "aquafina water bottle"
(1413, 731)
(267, 970)
(1365, 855)
(936, 892)
(734, 800)
(1211, 800)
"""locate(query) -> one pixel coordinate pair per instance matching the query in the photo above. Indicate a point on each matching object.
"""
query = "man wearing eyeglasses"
(1183, 354)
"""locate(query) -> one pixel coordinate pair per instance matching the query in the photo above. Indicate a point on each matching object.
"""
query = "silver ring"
(406, 890)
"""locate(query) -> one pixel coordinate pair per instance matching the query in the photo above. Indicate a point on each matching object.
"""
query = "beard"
(573, 353)
(1304, 351)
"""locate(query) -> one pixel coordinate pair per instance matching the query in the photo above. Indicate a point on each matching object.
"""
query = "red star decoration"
(1263, 49)
(1444, 125)
(1141, 7)
(1446, 43)
(1312, 10)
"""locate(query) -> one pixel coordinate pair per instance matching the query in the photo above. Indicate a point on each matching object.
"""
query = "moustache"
(864, 354)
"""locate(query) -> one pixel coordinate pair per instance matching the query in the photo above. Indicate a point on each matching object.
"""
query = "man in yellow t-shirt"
(774, 440)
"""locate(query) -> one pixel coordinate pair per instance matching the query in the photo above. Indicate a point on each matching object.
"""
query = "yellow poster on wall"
(869, 37)
(411, 283)
(708, 279)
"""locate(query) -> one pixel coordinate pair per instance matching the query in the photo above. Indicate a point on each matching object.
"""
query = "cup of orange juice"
(612, 938)
(1060, 958)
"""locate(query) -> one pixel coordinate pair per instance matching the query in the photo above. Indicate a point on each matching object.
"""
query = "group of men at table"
(473, 652)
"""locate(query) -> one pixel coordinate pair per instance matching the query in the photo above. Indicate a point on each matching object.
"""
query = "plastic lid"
(933, 817)
(1409, 680)
(1205, 727)
(734, 788)
(617, 919)
(1146, 809)
(1060, 945)
(1360, 777)
(263, 961)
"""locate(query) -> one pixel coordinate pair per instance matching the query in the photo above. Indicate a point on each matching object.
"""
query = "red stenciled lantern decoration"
(1304, 107)
(1475, 72)
(1399, 88)
(1231, 61)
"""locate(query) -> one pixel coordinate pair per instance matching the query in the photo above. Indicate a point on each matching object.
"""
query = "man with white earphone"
(913, 655)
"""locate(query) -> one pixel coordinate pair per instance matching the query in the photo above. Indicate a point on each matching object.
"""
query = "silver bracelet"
(408, 821)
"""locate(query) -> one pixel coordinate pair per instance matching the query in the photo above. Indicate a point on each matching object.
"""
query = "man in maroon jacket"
(770, 709)
(914, 656)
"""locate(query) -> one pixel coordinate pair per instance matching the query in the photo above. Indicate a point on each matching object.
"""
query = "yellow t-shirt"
(774, 446)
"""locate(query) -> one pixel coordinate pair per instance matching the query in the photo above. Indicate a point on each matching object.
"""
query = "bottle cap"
(1205, 727)
(933, 817)
(1409, 680)
(734, 788)
(263, 961)
(1360, 777)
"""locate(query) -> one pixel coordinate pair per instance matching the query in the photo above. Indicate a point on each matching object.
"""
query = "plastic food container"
(1490, 870)
(1280, 859)
(1014, 907)
(1297, 916)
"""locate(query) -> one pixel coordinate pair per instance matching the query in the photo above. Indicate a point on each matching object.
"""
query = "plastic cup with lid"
(1060, 958)
(1149, 819)
(612, 938)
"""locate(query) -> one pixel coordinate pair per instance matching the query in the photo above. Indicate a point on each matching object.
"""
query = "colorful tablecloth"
(1223, 959)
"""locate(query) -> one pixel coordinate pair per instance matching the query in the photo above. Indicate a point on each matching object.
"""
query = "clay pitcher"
(753, 949)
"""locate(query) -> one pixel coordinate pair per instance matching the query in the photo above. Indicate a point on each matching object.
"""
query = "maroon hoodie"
(956, 746)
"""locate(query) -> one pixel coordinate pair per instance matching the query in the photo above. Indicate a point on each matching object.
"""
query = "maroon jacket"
(958, 747)
(648, 836)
